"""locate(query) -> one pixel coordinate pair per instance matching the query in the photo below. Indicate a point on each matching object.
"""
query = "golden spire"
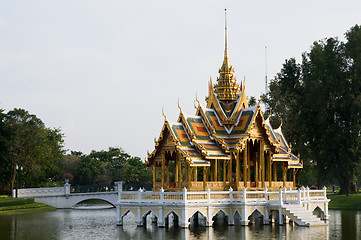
(226, 64)
(225, 34)
(226, 88)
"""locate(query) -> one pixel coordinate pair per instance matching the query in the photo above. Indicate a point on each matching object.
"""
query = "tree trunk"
(348, 187)
(12, 178)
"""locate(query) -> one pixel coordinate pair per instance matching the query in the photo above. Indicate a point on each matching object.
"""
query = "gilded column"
(154, 176)
(249, 162)
(256, 170)
(163, 162)
(245, 175)
(167, 174)
(204, 177)
(274, 171)
(195, 172)
(284, 173)
(180, 175)
(176, 178)
(230, 170)
(269, 168)
(294, 177)
(215, 170)
(188, 175)
(224, 173)
(237, 169)
(262, 163)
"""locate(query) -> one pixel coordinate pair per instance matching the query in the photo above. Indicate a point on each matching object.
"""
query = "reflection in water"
(100, 224)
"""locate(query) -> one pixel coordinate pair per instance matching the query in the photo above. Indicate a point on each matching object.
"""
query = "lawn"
(350, 202)
(9, 205)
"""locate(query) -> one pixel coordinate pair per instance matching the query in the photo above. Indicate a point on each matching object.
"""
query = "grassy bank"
(9, 205)
(350, 202)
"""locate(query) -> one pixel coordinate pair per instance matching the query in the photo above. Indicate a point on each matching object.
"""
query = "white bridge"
(304, 207)
(60, 197)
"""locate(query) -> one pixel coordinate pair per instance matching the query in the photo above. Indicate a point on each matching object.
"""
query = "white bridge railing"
(266, 196)
(39, 192)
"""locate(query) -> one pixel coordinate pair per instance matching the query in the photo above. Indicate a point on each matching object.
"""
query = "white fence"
(280, 197)
(39, 192)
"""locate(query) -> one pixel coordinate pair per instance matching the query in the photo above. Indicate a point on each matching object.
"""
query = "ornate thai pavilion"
(225, 144)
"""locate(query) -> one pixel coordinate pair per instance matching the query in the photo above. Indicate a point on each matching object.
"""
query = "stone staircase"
(301, 216)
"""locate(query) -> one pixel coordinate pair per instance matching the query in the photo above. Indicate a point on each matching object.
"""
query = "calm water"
(100, 224)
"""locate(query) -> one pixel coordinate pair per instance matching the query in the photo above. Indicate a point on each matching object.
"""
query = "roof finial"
(179, 106)
(165, 117)
(197, 99)
(225, 34)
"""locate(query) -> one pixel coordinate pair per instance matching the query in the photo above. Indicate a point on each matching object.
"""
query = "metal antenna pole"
(266, 85)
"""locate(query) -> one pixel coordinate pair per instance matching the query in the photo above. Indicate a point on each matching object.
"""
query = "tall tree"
(32, 147)
(4, 160)
(320, 104)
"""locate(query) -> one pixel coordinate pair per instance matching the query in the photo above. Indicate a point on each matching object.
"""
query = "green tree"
(319, 102)
(32, 147)
(100, 168)
(135, 171)
(4, 159)
(252, 101)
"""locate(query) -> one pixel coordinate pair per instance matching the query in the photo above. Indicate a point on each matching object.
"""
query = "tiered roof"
(223, 126)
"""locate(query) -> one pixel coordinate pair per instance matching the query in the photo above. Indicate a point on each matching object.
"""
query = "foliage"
(35, 149)
(319, 102)
(105, 167)
(252, 101)
(134, 171)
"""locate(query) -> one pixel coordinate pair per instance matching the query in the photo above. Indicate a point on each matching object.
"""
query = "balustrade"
(282, 196)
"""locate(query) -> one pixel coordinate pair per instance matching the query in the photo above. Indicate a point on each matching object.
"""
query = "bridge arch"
(172, 215)
(126, 213)
(196, 217)
(256, 216)
(318, 212)
(237, 217)
(93, 198)
(220, 217)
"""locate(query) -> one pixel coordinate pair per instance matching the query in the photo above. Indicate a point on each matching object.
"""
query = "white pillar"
(308, 198)
(161, 222)
(183, 219)
(67, 189)
(298, 196)
(230, 194)
(119, 218)
(209, 221)
(184, 195)
(244, 220)
(208, 194)
(230, 217)
(139, 217)
(284, 195)
(326, 211)
(280, 200)
(280, 216)
(118, 186)
(244, 193)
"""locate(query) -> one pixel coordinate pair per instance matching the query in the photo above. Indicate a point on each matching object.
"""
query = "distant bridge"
(61, 197)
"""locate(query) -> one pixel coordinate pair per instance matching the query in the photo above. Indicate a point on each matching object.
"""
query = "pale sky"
(101, 71)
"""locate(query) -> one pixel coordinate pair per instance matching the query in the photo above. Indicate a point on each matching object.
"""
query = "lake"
(101, 224)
